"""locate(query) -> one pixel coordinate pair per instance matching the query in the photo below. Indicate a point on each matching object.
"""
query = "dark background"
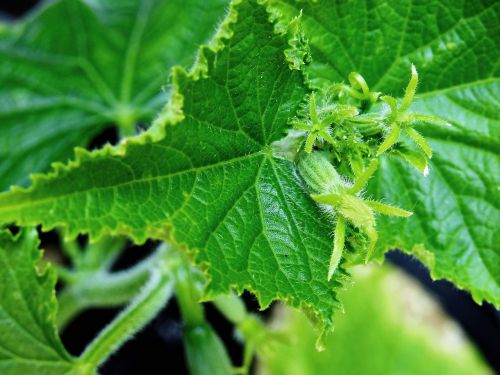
(158, 347)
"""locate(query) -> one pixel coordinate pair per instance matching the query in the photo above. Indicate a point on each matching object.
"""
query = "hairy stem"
(141, 310)
(104, 289)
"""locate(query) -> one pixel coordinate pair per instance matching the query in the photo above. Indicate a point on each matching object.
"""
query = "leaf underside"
(76, 67)
(455, 47)
(209, 183)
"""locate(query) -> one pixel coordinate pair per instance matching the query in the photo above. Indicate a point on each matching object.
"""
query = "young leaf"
(28, 341)
(75, 67)
(210, 183)
(455, 48)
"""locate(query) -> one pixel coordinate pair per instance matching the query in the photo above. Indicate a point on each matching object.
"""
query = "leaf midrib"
(9, 208)
(398, 57)
(109, 98)
(133, 46)
(470, 84)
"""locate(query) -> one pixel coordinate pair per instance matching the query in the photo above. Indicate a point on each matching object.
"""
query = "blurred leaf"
(76, 67)
(390, 326)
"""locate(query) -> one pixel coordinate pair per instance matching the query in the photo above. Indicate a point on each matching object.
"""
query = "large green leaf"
(76, 67)
(210, 182)
(29, 342)
(455, 46)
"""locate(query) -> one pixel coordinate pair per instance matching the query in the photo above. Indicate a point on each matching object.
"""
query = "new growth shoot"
(339, 131)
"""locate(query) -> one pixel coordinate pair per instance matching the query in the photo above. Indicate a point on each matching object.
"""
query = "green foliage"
(389, 326)
(28, 342)
(343, 201)
(210, 183)
(455, 47)
(260, 152)
(76, 67)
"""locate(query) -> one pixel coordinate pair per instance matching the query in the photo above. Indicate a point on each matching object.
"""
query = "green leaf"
(209, 183)
(390, 325)
(28, 341)
(76, 67)
(455, 48)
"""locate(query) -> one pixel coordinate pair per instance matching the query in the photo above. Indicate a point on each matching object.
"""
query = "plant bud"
(319, 174)
(356, 211)
(205, 351)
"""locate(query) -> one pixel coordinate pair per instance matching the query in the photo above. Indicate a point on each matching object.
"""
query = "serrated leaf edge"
(43, 271)
(424, 255)
(171, 115)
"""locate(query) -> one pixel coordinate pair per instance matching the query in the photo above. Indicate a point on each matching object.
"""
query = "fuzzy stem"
(70, 248)
(367, 127)
(104, 289)
(140, 311)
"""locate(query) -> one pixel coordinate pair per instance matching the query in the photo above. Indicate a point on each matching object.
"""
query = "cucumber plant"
(262, 167)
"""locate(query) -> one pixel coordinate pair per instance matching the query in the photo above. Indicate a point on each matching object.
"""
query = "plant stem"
(126, 121)
(70, 248)
(250, 327)
(205, 352)
(140, 311)
(232, 308)
(104, 289)
(101, 255)
(188, 296)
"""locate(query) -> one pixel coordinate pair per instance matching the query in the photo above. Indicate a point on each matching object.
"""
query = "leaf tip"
(426, 171)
